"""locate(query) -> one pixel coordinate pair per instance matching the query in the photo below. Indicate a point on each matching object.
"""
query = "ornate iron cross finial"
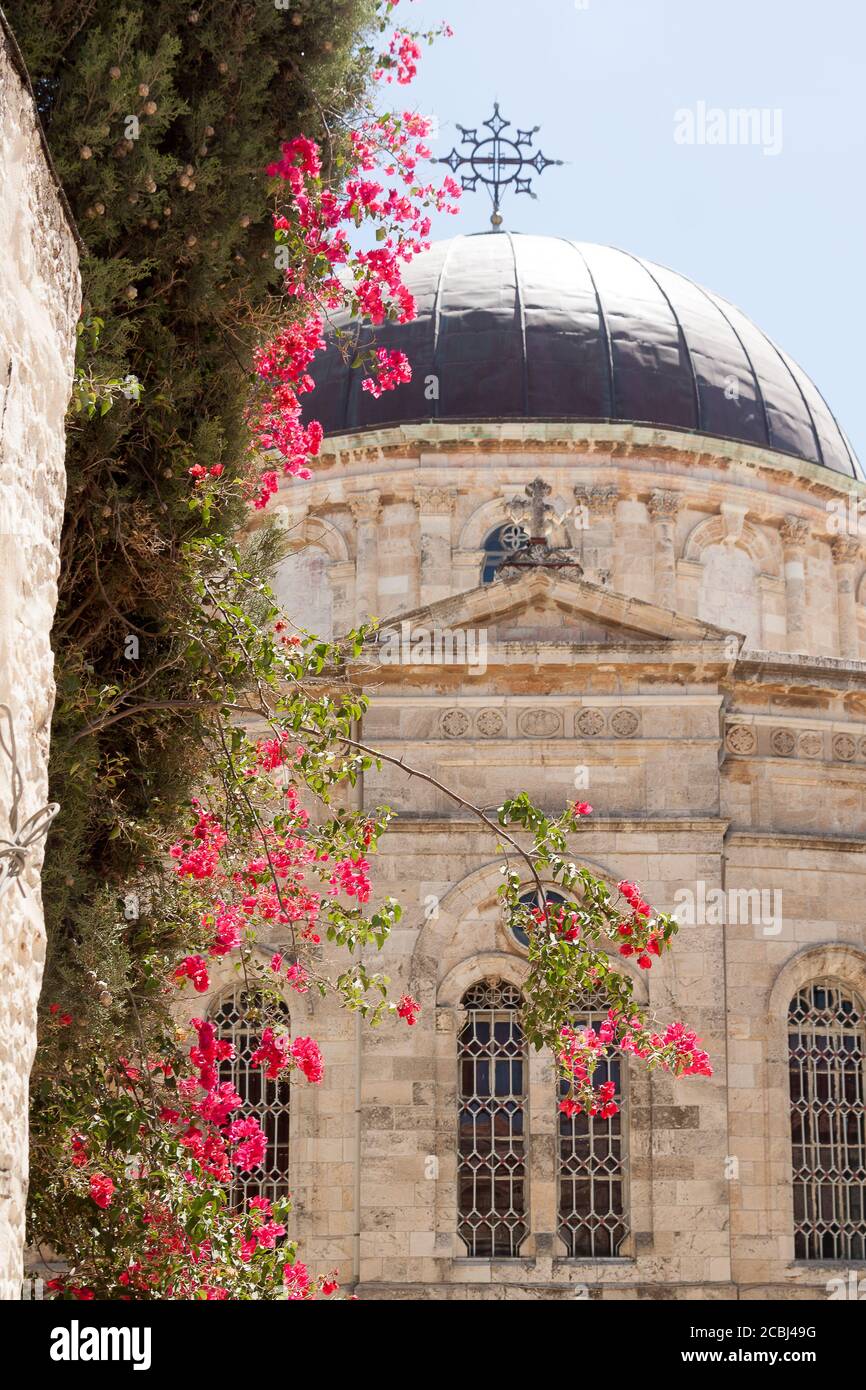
(497, 161)
(536, 515)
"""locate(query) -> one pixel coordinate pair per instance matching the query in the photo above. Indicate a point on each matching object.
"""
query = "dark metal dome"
(540, 328)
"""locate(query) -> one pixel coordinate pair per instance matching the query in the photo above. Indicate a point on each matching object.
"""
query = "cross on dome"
(497, 161)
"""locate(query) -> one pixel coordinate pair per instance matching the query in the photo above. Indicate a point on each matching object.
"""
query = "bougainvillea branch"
(374, 189)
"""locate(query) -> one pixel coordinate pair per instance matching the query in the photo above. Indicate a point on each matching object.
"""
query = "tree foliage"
(161, 118)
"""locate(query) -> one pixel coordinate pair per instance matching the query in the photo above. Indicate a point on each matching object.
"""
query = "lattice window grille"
(827, 1066)
(238, 1019)
(491, 1122)
(593, 1219)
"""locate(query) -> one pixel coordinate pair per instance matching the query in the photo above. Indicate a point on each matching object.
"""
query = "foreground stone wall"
(39, 304)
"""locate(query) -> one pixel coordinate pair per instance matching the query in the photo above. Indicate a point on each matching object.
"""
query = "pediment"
(543, 607)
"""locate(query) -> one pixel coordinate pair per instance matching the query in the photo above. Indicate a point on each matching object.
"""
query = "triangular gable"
(541, 606)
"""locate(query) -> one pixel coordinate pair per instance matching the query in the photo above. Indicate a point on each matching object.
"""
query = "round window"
(532, 899)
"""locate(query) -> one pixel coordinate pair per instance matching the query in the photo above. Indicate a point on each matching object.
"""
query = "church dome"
(520, 327)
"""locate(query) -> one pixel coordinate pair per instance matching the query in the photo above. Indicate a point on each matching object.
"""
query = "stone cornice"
(787, 840)
(639, 619)
(697, 661)
(773, 665)
(565, 437)
(424, 823)
(502, 699)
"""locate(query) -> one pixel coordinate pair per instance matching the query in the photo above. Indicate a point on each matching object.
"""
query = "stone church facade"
(685, 648)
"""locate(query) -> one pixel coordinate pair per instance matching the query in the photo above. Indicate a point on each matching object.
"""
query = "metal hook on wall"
(15, 852)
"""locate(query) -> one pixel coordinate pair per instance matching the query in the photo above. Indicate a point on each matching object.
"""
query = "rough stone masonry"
(40, 297)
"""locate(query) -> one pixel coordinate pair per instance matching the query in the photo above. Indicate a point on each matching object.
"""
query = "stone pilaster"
(594, 521)
(846, 550)
(435, 508)
(543, 1242)
(795, 534)
(663, 507)
(365, 508)
(341, 576)
(398, 557)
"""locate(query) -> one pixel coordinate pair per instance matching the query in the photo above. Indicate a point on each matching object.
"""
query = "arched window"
(592, 1190)
(501, 542)
(491, 1175)
(238, 1018)
(827, 1063)
(533, 899)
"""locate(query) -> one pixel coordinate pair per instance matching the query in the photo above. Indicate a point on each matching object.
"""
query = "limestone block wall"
(39, 305)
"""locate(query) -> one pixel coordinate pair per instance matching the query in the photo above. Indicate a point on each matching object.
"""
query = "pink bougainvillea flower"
(297, 1281)
(101, 1190)
(194, 968)
(308, 1059)
(409, 1009)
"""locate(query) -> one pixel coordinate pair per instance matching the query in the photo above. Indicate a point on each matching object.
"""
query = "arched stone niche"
(306, 581)
(735, 557)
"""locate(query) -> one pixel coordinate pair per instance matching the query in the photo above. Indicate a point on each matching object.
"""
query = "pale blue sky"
(780, 235)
